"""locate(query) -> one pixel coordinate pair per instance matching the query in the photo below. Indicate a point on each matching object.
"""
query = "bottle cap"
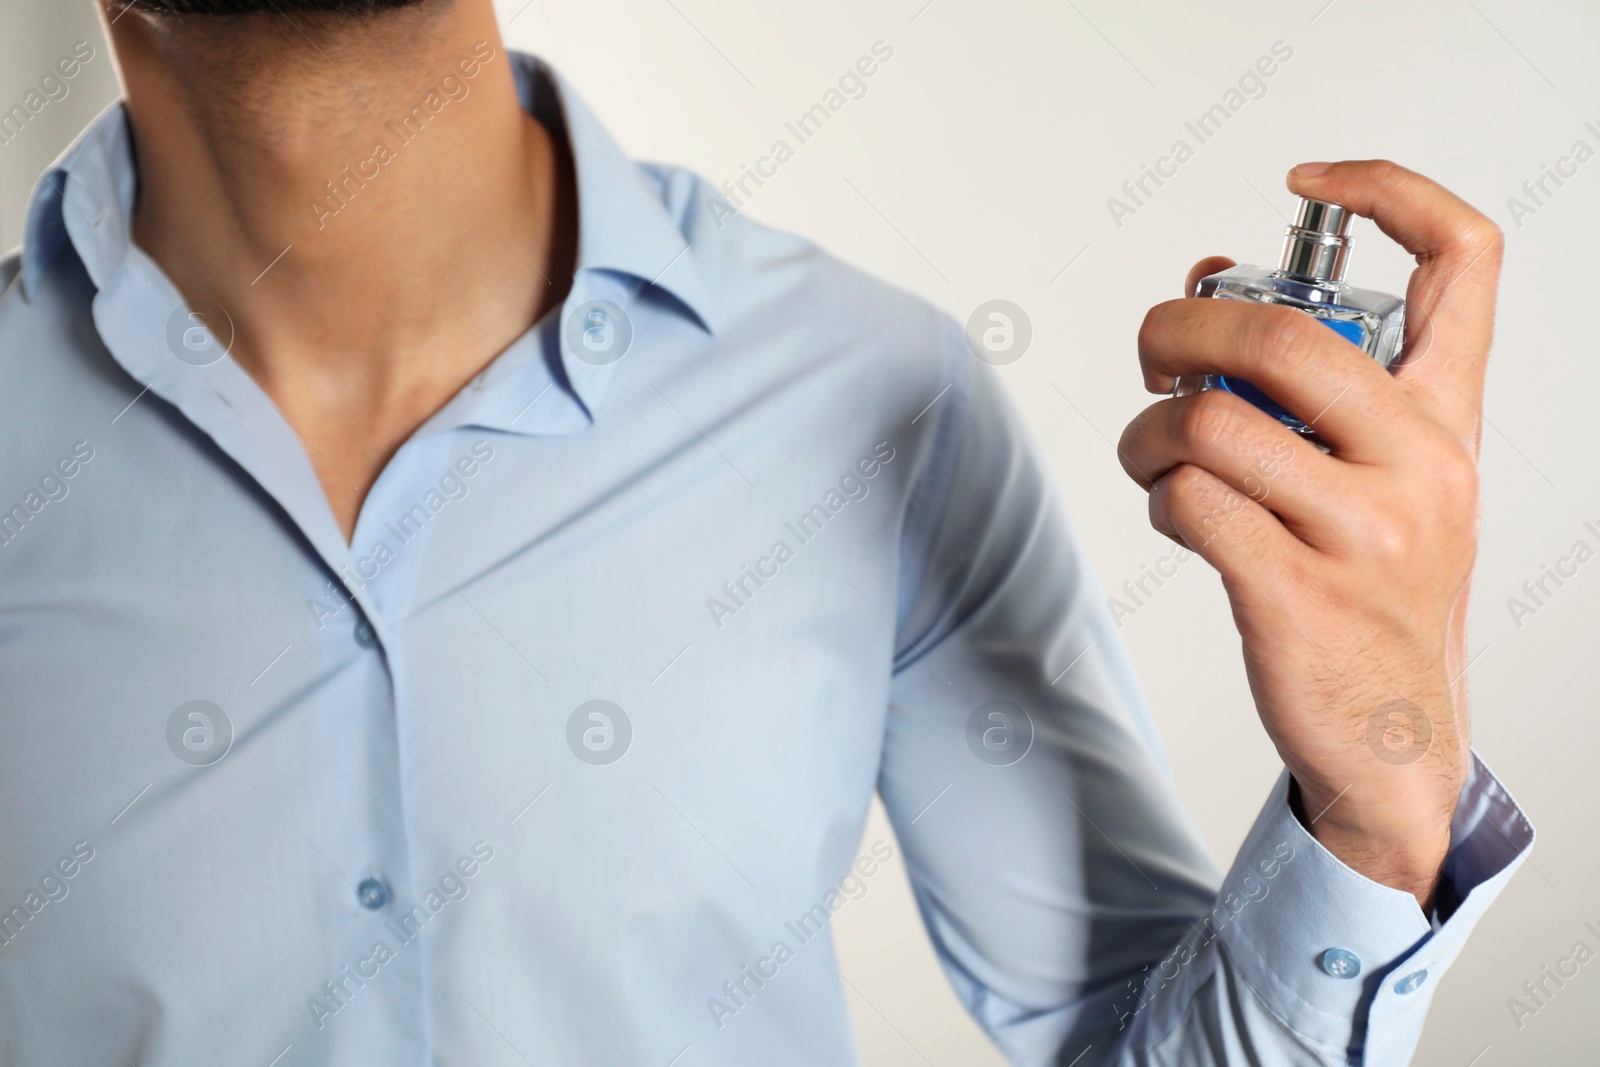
(1316, 246)
(1319, 216)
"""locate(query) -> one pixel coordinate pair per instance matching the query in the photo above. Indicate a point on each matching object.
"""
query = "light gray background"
(978, 166)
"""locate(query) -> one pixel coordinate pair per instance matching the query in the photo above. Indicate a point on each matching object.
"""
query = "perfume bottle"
(1309, 278)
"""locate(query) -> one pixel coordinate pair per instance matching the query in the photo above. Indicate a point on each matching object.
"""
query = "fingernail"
(1310, 170)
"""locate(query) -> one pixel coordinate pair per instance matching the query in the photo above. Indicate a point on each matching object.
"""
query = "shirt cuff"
(1347, 964)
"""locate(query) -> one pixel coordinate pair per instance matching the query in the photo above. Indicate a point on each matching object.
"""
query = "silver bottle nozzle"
(1317, 245)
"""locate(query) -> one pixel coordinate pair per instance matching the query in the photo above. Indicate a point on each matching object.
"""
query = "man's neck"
(367, 200)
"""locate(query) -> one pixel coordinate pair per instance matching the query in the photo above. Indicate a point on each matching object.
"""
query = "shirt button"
(365, 637)
(1411, 983)
(372, 894)
(1341, 963)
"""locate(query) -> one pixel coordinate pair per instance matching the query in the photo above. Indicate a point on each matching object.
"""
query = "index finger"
(1451, 295)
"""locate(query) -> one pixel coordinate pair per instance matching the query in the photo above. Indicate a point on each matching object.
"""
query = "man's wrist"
(1400, 842)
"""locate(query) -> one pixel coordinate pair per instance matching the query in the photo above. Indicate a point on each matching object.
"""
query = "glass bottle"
(1309, 278)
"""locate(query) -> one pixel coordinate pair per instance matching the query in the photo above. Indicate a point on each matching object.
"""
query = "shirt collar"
(629, 225)
(89, 189)
(625, 221)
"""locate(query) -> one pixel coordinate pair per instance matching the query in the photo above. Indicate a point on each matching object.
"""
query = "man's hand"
(1348, 571)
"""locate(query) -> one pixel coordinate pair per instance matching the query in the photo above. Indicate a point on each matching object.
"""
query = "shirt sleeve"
(1069, 898)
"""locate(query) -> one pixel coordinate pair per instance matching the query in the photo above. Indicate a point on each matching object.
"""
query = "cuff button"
(1341, 963)
(1411, 983)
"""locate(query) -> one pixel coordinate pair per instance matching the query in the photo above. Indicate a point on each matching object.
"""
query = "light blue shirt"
(566, 758)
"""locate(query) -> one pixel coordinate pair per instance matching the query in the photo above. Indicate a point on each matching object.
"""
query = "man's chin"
(286, 7)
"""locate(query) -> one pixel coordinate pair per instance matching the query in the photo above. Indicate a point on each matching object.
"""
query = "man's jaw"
(267, 7)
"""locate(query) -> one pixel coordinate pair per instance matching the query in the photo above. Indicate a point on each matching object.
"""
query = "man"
(464, 589)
